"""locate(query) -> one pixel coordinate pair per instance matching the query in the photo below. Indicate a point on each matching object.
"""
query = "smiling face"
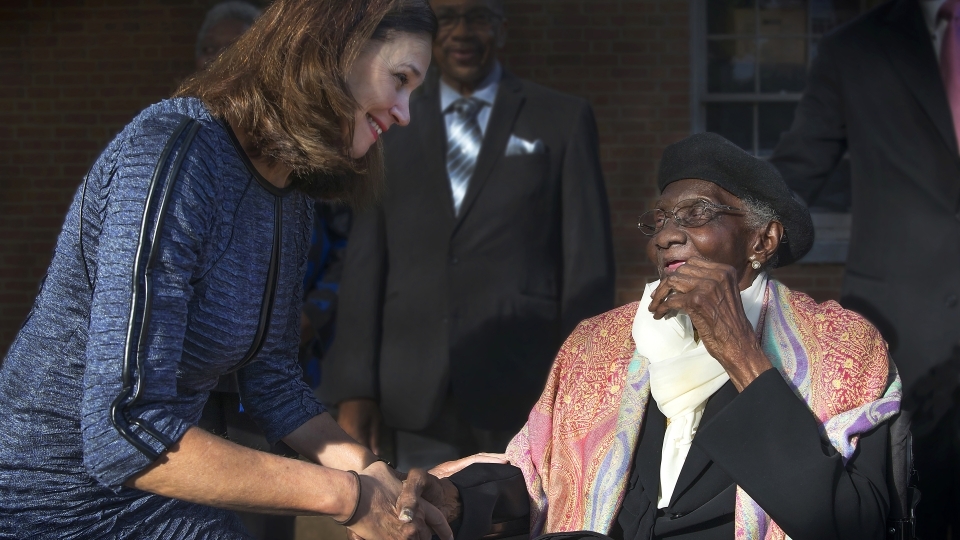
(470, 33)
(725, 239)
(381, 80)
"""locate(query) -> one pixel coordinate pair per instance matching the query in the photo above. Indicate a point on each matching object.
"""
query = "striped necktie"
(463, 145)
(950, 59)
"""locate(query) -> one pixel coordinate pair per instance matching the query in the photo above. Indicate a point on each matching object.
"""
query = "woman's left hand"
(709, 294)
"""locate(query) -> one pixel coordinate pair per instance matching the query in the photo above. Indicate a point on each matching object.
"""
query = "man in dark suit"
(877, 92)
(491, 244)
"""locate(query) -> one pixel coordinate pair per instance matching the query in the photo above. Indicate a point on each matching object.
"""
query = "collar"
(665, 339)
(485, 92)
(930, 8)
(752, 298)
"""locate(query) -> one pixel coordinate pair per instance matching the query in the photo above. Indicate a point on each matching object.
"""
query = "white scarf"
(683, 375)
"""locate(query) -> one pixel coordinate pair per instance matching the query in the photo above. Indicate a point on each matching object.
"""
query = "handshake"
(417, 505)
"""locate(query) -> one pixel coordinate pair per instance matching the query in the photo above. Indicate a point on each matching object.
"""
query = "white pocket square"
(519, 147)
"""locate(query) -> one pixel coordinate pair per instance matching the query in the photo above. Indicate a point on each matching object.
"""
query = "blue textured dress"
(159, 284)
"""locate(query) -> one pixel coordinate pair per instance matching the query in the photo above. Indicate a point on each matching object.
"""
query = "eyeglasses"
(476, 19)
(690, 214)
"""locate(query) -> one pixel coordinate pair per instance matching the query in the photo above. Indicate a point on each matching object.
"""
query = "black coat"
(875, 91)
(764, 439)
(477, 304)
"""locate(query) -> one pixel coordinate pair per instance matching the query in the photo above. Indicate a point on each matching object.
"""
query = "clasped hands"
(709, 293)
(425, 502)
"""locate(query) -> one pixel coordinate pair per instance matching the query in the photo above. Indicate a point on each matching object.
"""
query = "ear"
(502, 34)
(767, 242)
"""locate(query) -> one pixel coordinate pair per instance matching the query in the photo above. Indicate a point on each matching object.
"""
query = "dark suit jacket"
(764, 439)
(875, 91)
(477, 303)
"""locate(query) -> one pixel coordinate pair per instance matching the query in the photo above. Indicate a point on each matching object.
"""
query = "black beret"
(710, 157)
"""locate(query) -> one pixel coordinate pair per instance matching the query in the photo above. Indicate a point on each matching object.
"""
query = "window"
(750, 61)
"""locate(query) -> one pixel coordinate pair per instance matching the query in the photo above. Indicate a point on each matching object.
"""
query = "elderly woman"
(182, 259)
(720, 406)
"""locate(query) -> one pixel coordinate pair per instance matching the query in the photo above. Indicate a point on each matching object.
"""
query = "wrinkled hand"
(440, 493)
(388, 512)
(451, 468)
(360, 418)
(709, 294)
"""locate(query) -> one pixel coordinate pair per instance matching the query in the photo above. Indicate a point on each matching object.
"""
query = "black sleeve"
(588, 266)
(494, 499)
(769, 442)
(332, 224)
(351, 368)
(809, 153)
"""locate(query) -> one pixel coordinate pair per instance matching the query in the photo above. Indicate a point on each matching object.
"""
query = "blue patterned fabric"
(321, 285)
(62, 457)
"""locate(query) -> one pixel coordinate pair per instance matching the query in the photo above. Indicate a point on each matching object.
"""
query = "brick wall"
(630, 59)
(75, 71)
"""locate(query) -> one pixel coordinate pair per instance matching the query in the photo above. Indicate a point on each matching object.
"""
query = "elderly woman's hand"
(450, 468)
(440, 492)
(383, 514)
(708, 293)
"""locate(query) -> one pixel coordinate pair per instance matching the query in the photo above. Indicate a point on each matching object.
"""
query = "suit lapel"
(697, 460)
(505, 108)
(433, 138)
(650, 450)
(908, 46)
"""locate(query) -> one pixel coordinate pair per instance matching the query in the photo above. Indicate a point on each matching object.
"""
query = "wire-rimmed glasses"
(477, 18)
(690, 213)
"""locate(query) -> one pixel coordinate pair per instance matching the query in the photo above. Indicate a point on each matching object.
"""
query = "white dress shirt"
(936, 28)
(486, 92)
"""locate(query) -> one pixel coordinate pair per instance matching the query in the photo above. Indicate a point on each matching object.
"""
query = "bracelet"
(356, 505)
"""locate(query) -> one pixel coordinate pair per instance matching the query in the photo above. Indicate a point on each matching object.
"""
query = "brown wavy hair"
(284, 82)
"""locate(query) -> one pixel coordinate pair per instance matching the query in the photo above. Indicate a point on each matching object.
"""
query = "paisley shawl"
(576, 448)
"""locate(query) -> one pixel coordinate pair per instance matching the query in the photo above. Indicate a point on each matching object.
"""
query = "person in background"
(885, 90)
(491, 244)
(331, 228)
(224, 23)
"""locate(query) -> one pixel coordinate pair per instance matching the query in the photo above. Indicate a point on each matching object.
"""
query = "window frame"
(832, 239)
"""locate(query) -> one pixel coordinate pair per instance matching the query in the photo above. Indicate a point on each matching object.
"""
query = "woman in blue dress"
(182, 259)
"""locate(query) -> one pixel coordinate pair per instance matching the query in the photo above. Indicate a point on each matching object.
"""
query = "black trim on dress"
(132, 359)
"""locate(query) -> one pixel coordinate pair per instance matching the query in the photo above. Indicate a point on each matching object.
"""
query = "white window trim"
(832, 240)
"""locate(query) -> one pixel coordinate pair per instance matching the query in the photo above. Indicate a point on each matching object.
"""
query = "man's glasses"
(690, 214)
(475, 19)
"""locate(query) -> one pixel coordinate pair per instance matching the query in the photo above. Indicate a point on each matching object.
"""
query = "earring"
(755, 264)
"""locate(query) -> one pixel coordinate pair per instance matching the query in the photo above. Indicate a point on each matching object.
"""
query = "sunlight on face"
(381, 80)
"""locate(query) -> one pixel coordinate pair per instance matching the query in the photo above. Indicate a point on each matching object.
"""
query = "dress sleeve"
(588, 267)
(768, 441)
(147, 252)
(272, 388)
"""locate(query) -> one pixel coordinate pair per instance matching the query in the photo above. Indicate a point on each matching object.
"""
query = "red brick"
(90, 65)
